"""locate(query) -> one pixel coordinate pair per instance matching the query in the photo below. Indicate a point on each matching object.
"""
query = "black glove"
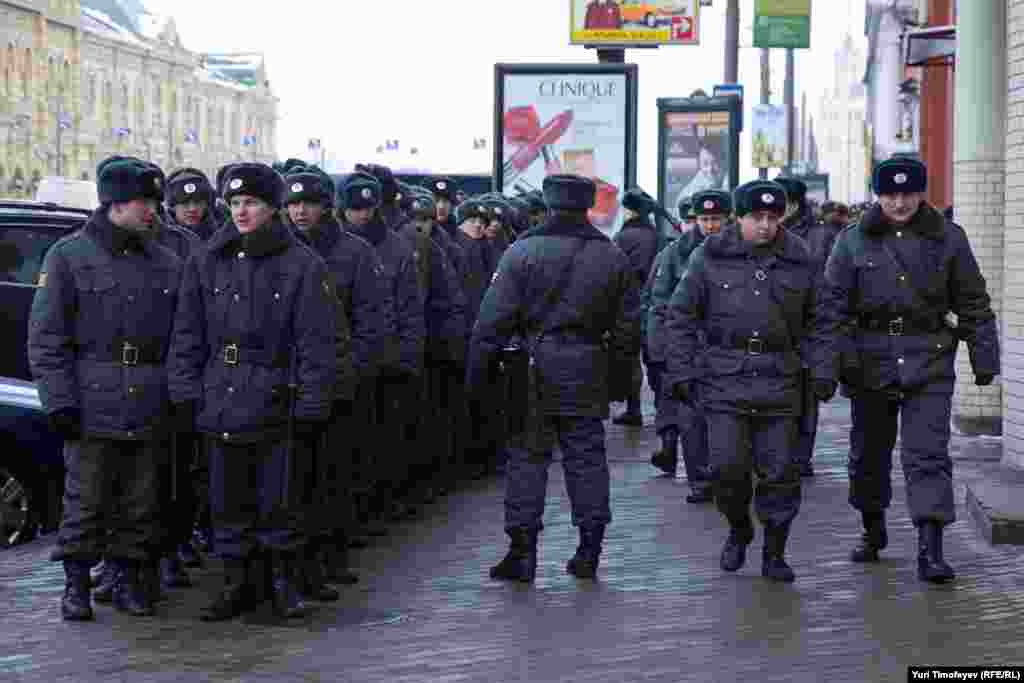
(683, 392)
(183, 417)
(67, 422)
(984, 379)
(308, 430)
(824, 389)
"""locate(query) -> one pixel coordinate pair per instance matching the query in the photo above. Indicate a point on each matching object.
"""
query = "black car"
(31, 460)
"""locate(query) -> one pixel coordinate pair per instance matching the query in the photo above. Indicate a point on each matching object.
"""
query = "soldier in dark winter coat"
(253, 368)
(891, 281)
(189, 200)
(740, 324)
(677, 420)
(569, 292)
(401, 357)
(638, 240)
(98, 336)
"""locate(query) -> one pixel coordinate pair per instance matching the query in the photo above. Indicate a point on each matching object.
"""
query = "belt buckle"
(231, 354)
(755, 346)
(129, 354)
(896, 327)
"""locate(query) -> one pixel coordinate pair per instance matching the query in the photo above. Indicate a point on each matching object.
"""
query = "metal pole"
(766, 93)
(60, 135)
(789, 97)
(611, 55)
(732, 42)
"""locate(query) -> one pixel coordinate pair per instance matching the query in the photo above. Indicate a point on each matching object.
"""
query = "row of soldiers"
(750, 323)
(304, 344)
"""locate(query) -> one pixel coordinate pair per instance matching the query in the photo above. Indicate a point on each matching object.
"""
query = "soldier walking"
(891, 281)
(739, 324)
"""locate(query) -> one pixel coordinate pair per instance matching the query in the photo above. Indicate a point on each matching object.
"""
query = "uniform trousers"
(582, 444)
(922, 421)
(741, 447)
(247, 498)
(111, 499)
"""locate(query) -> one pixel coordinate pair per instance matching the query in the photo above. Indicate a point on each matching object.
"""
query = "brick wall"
(1013, 281)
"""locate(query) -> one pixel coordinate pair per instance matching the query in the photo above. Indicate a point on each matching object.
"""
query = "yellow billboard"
(632, 22)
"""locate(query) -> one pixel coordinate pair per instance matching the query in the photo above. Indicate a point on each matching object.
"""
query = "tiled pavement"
(660, 611)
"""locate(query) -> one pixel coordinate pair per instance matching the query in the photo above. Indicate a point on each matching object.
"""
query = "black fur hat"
(759, 195)
(472, 208)
(388, 184)
(125, 179)
(186, 184)
(899, 174)
(256, 180)
(565, 191)
(305, 184)
(360, 191)
(711, 202)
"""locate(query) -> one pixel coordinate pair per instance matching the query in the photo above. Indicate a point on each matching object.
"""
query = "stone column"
(979, 167)
(1013, 302)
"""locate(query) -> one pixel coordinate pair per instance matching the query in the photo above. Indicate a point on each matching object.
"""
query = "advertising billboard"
(698, 145)
(580, 118)
(768, 132)
(624, 23)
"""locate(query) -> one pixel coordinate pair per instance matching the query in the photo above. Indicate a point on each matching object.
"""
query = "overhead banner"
(782, 23)
(768, 132)
(623, 23)
(698, 145)
(579, 119)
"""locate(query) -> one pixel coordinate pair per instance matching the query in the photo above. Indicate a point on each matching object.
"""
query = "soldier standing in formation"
(97, 345)
(252, 367)
(740, 325)
(569, 292)
(891, 281)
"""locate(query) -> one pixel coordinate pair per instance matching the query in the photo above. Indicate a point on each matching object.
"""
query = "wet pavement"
(661, 609)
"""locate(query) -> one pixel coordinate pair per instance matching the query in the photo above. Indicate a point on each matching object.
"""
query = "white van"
(78, 194)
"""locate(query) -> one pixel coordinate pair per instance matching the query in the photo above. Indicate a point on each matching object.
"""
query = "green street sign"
(782, 23)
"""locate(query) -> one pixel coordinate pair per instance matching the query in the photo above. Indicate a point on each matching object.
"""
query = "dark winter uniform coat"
(480, 265)
(733, 294)
(919, 272)
(358, 278)
(402, 350)
(597, 314)
(664, 281)
(102, 296)
(638, 240)
(255, 311)
(177, 238)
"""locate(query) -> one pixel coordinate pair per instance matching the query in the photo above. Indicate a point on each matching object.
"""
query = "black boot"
(583, 564)
(232, 599)
(336, 569)
(520, 563)
(773, 563)
(74, 606)
(667, 459)
(130, 595)
(734, 552)
(930, 565)
(875, 537)
(188, 556)
(172, 572)
(107, 582)
(288, 603)
(149, 578)
(312, 581)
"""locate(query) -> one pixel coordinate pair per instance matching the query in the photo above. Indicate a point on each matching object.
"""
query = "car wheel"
(16, 518)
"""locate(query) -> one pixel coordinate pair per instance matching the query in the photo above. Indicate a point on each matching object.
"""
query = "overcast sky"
(357, 72)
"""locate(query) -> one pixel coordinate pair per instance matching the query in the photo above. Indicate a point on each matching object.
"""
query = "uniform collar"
(729, 243)
(264, 241)
(322, 236)
(373, 232)
(927, 223)
(559, 227)
(116, 239)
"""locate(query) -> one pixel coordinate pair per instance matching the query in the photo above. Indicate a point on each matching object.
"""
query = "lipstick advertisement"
(576, 119)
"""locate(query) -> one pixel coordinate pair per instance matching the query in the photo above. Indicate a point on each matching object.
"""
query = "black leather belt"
(571, 337)
(755, 345)
(897, 325)
(128, 353)
(233, 354)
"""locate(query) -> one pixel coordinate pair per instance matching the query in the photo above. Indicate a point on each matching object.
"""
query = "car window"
(22, 250)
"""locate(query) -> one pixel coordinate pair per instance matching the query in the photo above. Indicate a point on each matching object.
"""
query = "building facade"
(83, 79)
(842, 128)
